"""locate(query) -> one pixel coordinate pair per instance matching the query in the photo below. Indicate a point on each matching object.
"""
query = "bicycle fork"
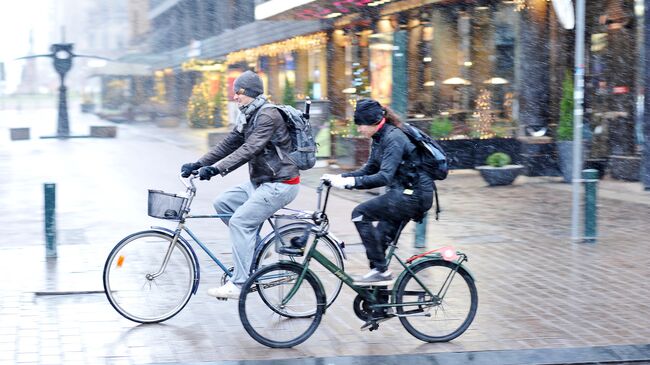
(168, 254)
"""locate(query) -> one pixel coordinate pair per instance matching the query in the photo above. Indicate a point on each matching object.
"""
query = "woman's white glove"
(327, 177)
(341, 182)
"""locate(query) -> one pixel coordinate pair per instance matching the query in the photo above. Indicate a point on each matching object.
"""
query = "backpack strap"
(264, 106)
(437, 204)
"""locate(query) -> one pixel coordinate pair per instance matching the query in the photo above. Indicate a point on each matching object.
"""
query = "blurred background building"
(480, 76)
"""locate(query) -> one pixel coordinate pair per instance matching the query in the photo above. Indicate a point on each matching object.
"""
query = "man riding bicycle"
(261, 139)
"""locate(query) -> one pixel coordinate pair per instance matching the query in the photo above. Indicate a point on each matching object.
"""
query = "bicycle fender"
(309, 272)
(329, 236)
(197, 271)
(422, 261)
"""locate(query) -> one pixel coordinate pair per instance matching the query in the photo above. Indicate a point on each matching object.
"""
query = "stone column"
(336, 72)
(624, 162)
(534, 82)
(302, 72)
(645, 168)
(444, 55)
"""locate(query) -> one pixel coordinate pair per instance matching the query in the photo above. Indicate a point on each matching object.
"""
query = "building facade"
(481, 76)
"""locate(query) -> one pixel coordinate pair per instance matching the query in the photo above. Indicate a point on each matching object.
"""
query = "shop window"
(466, 70)
(381, 66)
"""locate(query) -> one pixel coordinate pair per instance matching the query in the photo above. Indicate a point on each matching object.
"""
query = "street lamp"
(62, 56)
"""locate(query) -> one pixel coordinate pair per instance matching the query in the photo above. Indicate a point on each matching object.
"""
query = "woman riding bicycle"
(392, 163)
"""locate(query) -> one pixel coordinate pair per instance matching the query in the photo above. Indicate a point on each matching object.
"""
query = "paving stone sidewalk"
(537, 289)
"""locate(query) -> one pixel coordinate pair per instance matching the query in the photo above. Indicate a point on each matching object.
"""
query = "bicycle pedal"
(221, 299)
(369, 326)
(374, 323)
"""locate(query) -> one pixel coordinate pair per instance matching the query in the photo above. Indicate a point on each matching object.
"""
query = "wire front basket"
(165, 205)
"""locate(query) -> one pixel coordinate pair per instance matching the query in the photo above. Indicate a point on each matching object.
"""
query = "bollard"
(49, 190)
(421, 233)
(590, 178)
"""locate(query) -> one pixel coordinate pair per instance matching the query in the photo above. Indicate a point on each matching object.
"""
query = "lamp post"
(62, 56)
(564, 11)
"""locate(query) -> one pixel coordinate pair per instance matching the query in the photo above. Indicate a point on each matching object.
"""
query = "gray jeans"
(250, 207)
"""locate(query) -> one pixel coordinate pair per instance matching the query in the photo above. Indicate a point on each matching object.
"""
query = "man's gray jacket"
(257, 143)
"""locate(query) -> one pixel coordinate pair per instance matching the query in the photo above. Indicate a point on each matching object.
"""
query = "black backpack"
(303, 150)
(432, 158)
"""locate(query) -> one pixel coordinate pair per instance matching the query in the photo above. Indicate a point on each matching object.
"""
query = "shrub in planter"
(498, 159)
(498, 170)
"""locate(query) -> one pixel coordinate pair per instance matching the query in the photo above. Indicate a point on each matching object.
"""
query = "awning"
(122, 69)
(256, 34)
(218, 47)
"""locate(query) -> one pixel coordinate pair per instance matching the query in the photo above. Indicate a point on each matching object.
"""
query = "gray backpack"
(303, 146)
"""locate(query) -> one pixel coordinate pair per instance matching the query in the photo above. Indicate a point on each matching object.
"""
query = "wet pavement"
(538, 291)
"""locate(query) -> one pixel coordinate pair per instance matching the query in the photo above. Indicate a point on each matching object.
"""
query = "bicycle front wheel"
(446, 311)
(273, 285)
(327, 246)
(139, 287)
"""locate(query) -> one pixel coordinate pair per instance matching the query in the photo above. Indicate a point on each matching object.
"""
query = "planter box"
(537, 156)
(626, 168)
(18, 134)
(496, 176)
(469, 153)
(103, 131)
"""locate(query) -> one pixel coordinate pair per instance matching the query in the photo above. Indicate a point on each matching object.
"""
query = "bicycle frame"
(191, 191)
(370, 294)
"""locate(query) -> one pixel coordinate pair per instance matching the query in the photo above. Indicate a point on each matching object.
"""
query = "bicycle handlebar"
(188, 181)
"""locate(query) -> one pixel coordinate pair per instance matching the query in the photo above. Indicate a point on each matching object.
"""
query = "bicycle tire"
(433, 273)
(136, 296)
(264, 324)
(327, 246)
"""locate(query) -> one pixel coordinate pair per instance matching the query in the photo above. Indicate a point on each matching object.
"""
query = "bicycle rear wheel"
(129, 283)
(443, 316)
(327, 246)
(273, 284)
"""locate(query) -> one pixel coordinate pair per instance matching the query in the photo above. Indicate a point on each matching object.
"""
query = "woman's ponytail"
(392, 117)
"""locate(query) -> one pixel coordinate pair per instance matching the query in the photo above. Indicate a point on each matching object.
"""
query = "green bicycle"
(434, 297)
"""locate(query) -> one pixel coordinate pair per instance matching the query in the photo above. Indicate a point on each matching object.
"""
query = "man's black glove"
(206, 172)
(186, 169)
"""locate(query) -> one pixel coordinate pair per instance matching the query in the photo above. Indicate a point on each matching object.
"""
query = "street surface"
(537, 290)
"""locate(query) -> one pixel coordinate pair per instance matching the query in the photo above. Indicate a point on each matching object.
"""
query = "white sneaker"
(228, 290)
(374, 278)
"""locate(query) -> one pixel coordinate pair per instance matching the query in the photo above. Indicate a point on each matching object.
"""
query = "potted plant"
(498, 170)
(565, 129)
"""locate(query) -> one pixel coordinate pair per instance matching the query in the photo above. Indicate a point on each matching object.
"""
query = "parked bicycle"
(150, 276)
(434, 297)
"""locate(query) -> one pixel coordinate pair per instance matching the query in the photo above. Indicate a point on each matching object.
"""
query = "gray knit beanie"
(251, 83)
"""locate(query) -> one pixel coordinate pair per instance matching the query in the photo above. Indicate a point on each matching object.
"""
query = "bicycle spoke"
(443, 318)
(129, 288)
(262, 311)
